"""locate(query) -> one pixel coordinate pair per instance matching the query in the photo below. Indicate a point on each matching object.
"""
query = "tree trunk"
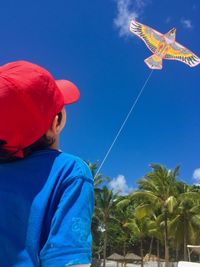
(166, 243)
(141, 251)
(158, 252)
(105, 245)
(124, 249)
(177, 252)
(124, 252)
(184, 240)
(151, 245)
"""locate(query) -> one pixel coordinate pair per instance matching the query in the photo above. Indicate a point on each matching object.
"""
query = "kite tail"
(154, 62)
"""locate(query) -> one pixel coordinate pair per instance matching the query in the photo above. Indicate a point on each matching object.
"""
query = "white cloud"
(187, 23)
(119, 185)
(196, 175)
(127, 10)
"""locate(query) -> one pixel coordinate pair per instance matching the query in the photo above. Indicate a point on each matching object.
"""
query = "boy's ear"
(56, 126)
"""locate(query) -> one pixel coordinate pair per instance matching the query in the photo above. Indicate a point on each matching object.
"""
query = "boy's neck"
(55, 144)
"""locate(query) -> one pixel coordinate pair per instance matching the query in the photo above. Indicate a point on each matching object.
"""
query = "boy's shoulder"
(64, 164)
(75, 165)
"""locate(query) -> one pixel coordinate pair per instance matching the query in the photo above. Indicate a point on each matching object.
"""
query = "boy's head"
(31, 105)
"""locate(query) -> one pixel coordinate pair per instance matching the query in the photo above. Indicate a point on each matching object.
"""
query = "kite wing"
(179, 52)
(151, 37)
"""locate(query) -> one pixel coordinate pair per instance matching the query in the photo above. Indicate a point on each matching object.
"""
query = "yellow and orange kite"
(163, 46)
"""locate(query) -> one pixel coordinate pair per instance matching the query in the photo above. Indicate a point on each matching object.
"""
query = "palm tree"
(124, 211)
(158, 191)
(186, 220)
(105, 202)
(139, 229)
(154, 224)
(155, 229)
(96, 220)
(134, 220)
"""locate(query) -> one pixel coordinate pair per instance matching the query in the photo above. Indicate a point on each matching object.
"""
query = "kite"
(163, 46)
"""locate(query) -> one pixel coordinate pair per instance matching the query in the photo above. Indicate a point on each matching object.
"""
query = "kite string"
(124, 122)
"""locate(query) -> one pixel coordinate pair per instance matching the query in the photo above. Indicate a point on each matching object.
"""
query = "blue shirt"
(46, 205)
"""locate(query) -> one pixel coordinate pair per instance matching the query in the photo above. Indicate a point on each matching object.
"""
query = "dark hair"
(42, 143)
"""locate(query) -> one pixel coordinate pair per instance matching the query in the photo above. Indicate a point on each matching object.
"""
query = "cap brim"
(69, 90)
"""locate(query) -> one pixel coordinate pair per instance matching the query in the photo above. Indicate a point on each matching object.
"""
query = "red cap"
(30, 98)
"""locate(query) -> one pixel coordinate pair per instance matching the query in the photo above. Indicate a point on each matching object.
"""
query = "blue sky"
(88, 43)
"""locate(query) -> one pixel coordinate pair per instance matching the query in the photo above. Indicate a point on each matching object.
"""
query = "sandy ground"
(148, 264)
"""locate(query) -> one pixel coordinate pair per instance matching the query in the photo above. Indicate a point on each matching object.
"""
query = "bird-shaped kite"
(163, 46)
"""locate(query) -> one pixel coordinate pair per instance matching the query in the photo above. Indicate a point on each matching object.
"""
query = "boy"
(46, 196)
